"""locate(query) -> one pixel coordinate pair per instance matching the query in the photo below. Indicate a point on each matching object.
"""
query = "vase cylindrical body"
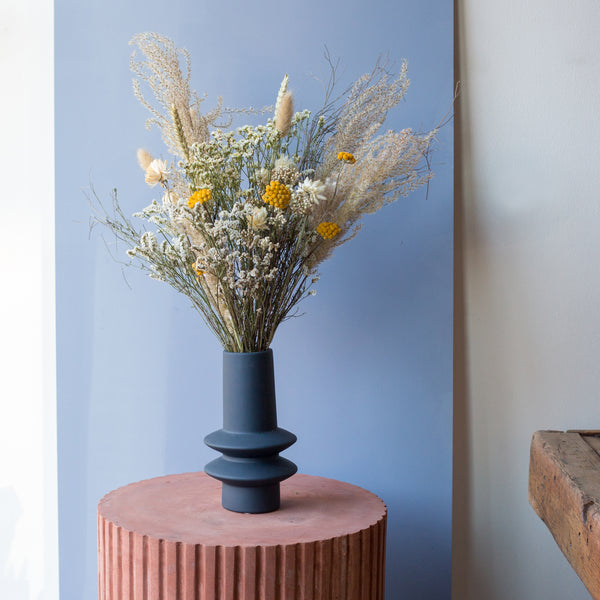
(250, 441)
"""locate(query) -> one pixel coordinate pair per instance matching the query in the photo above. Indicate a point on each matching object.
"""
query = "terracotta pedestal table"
(169, 539)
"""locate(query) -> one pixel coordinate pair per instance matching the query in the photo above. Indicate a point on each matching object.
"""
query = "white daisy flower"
(315, 190)
(156, 171)
(257, 219)
(284, 162)
(262, 176)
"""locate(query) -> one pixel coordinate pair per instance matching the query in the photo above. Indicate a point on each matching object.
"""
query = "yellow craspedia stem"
(198, 270)
(199, 196)
(277, 195)
(328, 230)
(346, 157)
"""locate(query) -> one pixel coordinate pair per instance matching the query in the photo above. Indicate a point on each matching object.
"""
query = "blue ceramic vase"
(250, 467)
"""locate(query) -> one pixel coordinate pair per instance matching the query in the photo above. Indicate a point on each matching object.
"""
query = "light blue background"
(364, 378)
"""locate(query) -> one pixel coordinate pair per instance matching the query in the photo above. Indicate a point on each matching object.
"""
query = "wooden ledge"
(564, 490)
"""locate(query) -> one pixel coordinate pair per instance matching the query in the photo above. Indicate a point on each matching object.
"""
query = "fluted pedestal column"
(170, 539)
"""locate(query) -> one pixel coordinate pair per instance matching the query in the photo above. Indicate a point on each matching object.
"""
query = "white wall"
(28, 505)
(528, 281)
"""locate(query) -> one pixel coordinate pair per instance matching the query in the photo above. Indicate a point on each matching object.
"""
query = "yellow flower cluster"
(346, 157)
(199, 196)
(277, 195)
(328, 230)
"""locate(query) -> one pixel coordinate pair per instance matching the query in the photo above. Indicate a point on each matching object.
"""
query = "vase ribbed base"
(265, 498)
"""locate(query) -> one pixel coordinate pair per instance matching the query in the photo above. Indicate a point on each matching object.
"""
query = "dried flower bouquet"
(247, 215)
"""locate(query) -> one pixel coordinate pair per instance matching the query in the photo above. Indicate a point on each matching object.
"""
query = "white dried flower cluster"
(285, 162)
(248, 214)
(262, 176)
(256, 216)
(148, 242)
(170, 197)
(156, 172)
(286, 171)
(308, 195)
(241, 258)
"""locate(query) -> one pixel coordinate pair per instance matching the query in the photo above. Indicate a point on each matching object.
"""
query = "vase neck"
(249, 391)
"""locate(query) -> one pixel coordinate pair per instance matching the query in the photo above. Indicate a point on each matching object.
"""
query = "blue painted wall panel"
(364, 378)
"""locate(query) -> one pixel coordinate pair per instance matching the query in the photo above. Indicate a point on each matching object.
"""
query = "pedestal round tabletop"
(187, 508)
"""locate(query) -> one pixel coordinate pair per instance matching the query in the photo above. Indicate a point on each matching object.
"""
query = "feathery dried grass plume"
(144, 158)
(248, 214)
(370, 99)
(281, 92)
(159, 67)
(284, 114)
(180, 133)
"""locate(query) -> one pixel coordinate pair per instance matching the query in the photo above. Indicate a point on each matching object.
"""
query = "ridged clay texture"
(170, 539)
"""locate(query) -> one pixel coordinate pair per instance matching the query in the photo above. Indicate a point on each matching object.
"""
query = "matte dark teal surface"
(250, 441)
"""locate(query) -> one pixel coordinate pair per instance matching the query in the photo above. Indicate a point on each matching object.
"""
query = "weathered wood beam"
(564, 490)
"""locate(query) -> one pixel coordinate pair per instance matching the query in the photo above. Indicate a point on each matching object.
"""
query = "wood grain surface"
(564, 490)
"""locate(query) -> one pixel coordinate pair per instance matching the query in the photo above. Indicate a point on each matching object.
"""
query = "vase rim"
(248, 353)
